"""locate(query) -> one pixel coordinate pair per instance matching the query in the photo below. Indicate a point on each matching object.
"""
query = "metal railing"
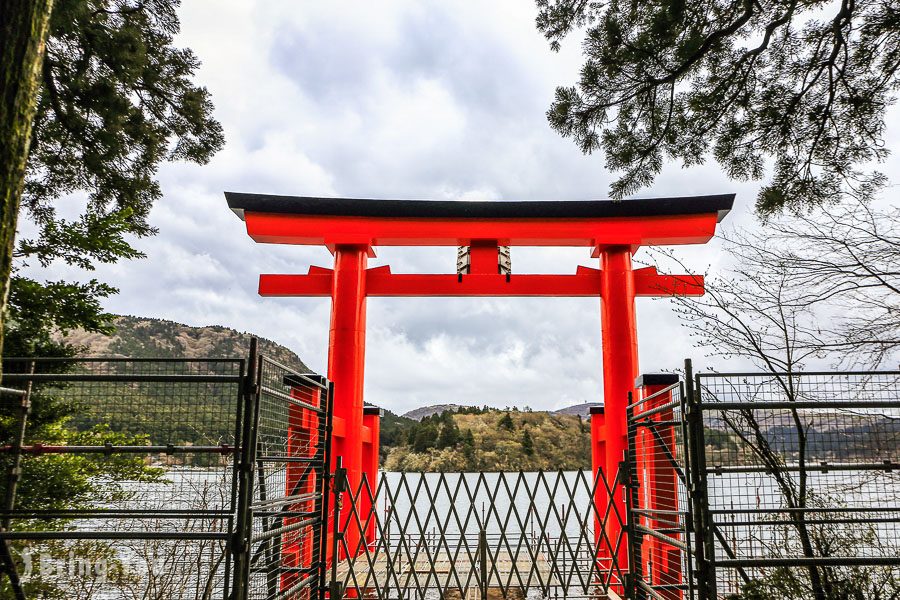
(162, 478)
(288, 505)
(663, 524)
(125, 467)
(212, 479)
(802, 483)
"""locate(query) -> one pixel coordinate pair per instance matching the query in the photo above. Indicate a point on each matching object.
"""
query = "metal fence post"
(13, 476)
(688, 464)
(631, 484)
(15, 469)
(327, 479)
(339, 486)
(240, 540)
(704, 540)
(483, 562)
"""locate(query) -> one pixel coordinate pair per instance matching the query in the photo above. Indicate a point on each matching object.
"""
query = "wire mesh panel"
(122, 482)
(661, 506)
(291, 457)
(477, 535)
(803, 478)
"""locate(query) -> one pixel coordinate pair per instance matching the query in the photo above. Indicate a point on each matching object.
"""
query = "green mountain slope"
(165, 412)
(492, 440)
(142, 337)
(459, 439)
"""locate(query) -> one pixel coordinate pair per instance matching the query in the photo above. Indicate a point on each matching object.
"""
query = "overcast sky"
(395, 100)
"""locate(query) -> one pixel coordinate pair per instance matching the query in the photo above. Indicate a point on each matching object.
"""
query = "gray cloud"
(394, 99)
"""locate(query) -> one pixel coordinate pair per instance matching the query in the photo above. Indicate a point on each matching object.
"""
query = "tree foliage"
(117, 99)
(38, 310)
(536, 441)
(528, 443)
(804, 85)
(449, 436)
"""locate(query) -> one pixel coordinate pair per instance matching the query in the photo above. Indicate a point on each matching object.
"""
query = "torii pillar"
(350, 228)
(620, 368)
(347, 358)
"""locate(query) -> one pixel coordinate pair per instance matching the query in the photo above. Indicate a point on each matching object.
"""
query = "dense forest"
(487, 439)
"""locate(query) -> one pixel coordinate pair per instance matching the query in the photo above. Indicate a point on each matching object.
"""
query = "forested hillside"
(142, 337)
(449, 438)
(477, 439)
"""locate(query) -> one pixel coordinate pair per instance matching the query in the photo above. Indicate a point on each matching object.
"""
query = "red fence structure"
(352, 228)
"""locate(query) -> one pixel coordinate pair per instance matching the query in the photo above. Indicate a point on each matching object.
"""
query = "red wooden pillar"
(372, 428)
(620, 367)
(598, 460)
(346, 363)
(659, 483)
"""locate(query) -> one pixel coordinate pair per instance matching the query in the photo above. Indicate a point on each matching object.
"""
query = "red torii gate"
(351, 228)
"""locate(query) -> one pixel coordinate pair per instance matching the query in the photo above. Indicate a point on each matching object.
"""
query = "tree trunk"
(23, 35)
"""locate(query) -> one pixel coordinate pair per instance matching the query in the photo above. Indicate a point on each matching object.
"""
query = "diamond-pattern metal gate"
(477, 535)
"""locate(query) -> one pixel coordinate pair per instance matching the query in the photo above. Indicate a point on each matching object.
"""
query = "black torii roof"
(501, 209)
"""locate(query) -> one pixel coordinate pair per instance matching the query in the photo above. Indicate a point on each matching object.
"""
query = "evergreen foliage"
(116, 100)
(800, 86)
(449, 436)
(527, 443)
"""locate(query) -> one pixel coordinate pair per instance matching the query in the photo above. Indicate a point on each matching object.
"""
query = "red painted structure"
(351, 228)
(656, 473)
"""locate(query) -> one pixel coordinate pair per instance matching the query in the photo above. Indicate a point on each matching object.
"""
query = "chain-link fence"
(803, 483)
(119, 477)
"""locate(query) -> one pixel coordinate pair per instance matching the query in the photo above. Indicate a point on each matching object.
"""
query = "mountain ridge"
(149, 337)
(417, 414)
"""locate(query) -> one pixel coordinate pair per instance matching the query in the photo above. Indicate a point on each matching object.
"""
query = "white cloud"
(395, 99)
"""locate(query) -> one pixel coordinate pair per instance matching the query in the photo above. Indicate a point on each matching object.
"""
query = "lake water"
(549, 513)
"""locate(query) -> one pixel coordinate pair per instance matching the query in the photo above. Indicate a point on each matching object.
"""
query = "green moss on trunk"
(23, 31)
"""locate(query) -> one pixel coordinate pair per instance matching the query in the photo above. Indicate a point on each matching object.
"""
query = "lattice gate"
(477, 535)
(529, 535)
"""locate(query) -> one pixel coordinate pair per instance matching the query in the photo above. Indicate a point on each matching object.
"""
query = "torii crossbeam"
(351, 228)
